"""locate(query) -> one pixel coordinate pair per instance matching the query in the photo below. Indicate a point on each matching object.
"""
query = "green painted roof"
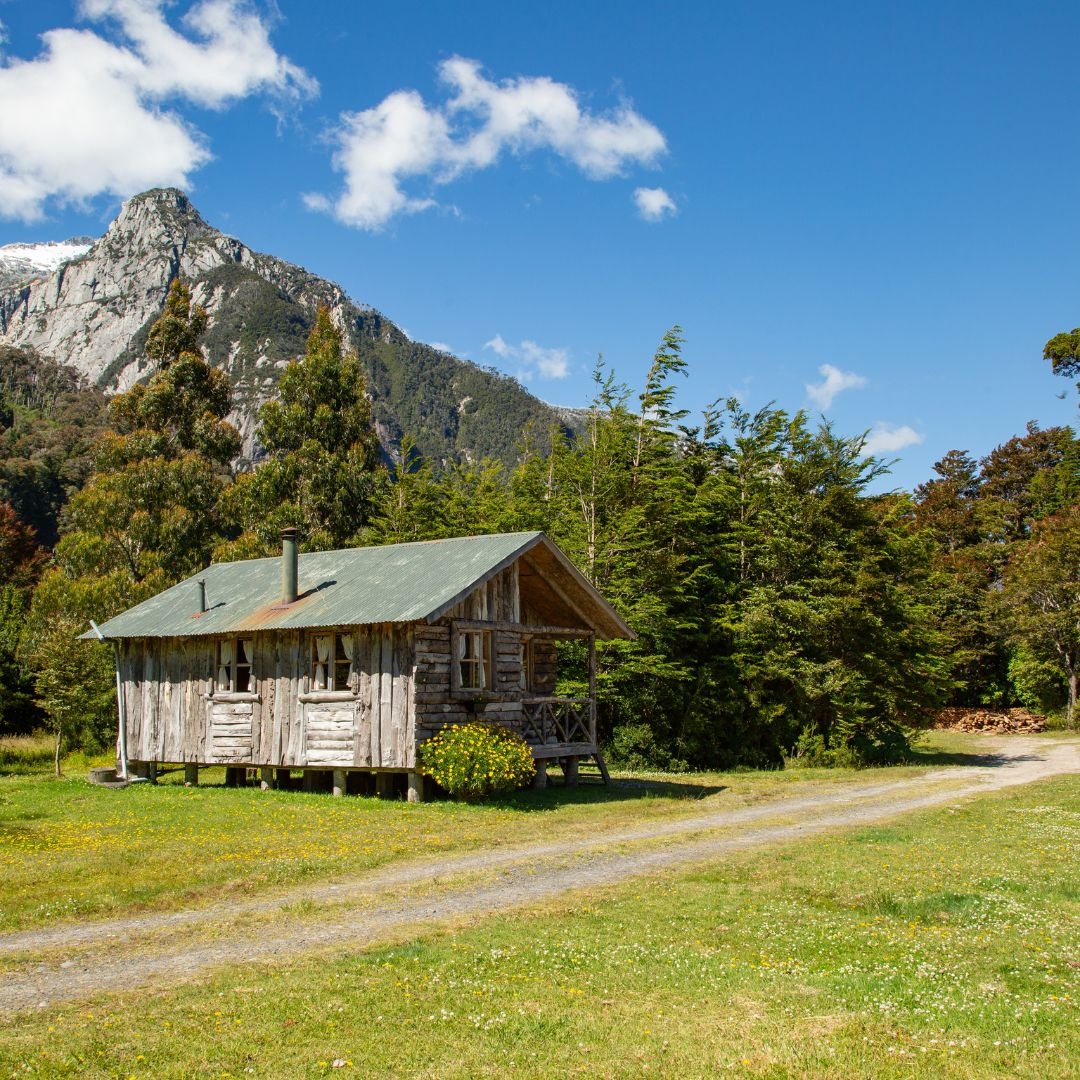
(351, 587)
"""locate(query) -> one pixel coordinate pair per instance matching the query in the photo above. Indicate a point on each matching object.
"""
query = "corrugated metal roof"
(352, 587)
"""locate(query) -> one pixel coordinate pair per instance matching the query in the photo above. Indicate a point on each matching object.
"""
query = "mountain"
(23, 262)
(94, 310)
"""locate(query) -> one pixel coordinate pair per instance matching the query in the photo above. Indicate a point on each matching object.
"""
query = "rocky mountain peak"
(156, 218)
(94, 313)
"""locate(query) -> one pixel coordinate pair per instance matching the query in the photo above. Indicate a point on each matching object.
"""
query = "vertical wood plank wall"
(174, 714)
(401, 692)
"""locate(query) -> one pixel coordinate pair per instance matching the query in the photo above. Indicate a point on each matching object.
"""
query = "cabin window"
(474, 659)
(331, 661)
(234, 665)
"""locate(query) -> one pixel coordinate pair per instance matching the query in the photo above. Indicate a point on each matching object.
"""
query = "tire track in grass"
(165, 956)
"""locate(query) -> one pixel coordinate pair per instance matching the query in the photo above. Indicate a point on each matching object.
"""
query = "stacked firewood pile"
(993, 721)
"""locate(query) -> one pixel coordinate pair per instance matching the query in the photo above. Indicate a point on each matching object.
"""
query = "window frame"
(336, 662)
(241, 660)
(483, 661)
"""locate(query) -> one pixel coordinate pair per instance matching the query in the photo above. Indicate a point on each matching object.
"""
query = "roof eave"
(621, 629)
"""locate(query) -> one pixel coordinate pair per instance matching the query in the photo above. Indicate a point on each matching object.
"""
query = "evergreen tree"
(950, 512)
(411, 506)
(832, 634)
(321, 473)
(146, 518)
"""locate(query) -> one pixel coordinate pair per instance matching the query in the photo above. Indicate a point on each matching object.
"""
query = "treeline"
(781, 608)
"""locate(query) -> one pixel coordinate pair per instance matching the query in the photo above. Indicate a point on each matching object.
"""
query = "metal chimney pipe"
(200, 595)
(289, 566)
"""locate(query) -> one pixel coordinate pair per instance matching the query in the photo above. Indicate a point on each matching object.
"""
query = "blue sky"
(875, 202)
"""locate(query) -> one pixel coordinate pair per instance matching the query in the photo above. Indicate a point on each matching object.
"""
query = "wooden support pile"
(991, 721)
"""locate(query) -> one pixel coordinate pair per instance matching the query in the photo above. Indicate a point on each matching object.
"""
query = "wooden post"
(281, 780)
(416, 787)
(384, 785)
(232, 776)
(266, 778)
(540, 779)
(191, 774)
(592, 689)
(570, 771)
(308, 783)
(339, 783)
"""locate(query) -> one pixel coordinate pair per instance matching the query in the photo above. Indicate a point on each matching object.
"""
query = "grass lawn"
(944, 945)
(69, 850)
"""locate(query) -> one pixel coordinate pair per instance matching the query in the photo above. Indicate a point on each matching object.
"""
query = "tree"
(1040, 597)
(1025, 478)
(147, 517)
(964, 566)
(49, 425)
(946, 505)
(1063, 352)
(21, 558)
(320, 474)
(178, 328)
(831, 631)
(410, 507)
(21, 561)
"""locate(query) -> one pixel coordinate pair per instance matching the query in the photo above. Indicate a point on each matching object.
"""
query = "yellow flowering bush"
(473, 760)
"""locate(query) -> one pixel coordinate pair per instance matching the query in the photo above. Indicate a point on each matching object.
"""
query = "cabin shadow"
(990, 759)
(558, 794)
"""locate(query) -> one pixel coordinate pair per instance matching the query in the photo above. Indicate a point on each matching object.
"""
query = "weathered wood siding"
(175, 715)
(497, 601)
(401, 690)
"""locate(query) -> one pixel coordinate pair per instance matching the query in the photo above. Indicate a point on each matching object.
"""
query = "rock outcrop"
(94, 312)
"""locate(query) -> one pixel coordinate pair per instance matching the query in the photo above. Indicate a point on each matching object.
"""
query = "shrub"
(634, 748)
(887, 746)
(1039, 685)
(473, 760)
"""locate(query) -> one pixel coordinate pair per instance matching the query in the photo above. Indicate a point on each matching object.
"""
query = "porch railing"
(547, 721)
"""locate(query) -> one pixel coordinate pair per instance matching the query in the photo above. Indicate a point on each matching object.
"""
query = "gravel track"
(122, 954)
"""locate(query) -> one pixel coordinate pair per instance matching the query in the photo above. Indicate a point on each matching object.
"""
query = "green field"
(69, 850)
(944, 944)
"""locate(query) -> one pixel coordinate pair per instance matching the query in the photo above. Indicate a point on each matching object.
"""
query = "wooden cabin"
(336, 665)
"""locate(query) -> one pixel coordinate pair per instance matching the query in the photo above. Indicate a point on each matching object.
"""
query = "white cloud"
(654, 203)
(835, 381)
(533, 358)
(403, 139)
(89, 114)
(886, 438)
(498, 346)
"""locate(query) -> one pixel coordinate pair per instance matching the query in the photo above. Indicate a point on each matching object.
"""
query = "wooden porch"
(561, 729)
(558, 726)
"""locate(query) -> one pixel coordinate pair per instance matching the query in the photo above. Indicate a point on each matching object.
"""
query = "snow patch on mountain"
(21, 262)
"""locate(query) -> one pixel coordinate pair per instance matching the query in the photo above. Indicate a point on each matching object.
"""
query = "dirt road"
(73, 962)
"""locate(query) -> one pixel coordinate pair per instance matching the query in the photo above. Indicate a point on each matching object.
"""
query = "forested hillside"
(782, 609)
